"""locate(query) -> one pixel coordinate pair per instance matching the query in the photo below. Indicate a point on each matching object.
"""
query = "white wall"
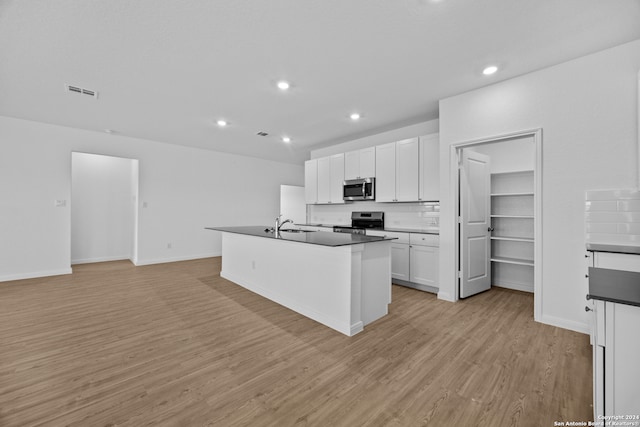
(587, 111)
(102, 208)
(418, 129)
(292, 203)
(184, 190)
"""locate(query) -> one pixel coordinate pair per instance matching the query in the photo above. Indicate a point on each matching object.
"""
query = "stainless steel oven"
(361, 221)
(359, 189)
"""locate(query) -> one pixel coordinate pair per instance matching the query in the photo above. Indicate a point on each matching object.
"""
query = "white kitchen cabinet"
(311, 181)
(414, 259)
(386, 172)
(423, 259)
(330, 177)
(407, 170)
(400, 261)
(324, 180)
(616, 346)
(397, 171)
(336, 180)
(360, 163)
(429, 168)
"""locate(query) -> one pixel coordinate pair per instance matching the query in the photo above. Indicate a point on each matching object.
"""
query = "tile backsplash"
(613, 216)
(416, 216)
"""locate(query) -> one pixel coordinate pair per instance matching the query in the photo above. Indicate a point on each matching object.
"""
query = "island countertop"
(310, 237)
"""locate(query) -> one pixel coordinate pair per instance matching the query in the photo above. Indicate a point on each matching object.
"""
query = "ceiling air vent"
(261, 133)
(81, 90)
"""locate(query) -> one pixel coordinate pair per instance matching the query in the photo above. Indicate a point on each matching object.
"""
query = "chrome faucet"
(280, 224)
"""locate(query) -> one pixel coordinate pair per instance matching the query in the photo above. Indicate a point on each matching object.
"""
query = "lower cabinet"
(414, 259)
(616, 345)
(400, 261)
(424, 265)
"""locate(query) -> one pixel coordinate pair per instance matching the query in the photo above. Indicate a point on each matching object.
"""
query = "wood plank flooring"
(176, 345)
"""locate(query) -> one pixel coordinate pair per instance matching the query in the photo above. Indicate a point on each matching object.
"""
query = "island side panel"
(312, 280)
(376, 280)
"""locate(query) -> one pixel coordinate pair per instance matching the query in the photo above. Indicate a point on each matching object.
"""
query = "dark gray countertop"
(616, 249)
(614, 285)
(312, 237)
(390, 229)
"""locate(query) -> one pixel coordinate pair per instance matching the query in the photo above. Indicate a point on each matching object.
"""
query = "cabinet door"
(423, 265)
(429, 168)
(407, 170)
(400, 261)
(386, 172)
(368, 162)
(337, 178)
(311, 181)
(622, 371)
(324, 180)
(352, 164)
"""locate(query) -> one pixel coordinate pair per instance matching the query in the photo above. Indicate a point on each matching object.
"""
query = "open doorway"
(104, 209)
(499, 231)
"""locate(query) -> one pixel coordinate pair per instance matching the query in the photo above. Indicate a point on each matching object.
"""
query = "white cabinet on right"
(614, 287)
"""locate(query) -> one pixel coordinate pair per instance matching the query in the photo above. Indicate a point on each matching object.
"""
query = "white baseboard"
(99, 259)
(446, 296)
(565, 323)
(35, 274)
(176, 259)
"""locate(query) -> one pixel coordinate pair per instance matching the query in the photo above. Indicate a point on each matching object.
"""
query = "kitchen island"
(338, 279)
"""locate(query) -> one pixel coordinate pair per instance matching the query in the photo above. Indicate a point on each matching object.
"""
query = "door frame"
(455, 151)
(135, 181)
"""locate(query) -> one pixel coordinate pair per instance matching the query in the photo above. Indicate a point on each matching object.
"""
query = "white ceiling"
(166, 70)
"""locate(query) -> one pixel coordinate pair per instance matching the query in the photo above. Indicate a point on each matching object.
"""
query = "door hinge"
(459, 274)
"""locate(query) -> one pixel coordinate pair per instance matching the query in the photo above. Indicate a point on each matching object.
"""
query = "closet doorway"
(499, 232)
(104, 208)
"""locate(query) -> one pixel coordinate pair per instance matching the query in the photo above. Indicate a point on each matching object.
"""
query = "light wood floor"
(176, 345)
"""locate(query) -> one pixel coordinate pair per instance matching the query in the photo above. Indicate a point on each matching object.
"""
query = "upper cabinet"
(330, 177)
(397, 171)
(429, 168)
(311, 181)
(360, 163)
(405, 171)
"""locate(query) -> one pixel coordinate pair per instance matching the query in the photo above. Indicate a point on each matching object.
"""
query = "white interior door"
(475, 224)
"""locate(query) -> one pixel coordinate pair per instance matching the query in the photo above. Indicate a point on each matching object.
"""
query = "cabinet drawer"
(402, 237)
(424, 239)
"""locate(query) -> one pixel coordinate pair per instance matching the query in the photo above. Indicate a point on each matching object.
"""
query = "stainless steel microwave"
(359, 189)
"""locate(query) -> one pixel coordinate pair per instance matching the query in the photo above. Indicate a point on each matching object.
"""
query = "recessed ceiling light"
(283, 85)
(355, 116)
(222, 123)
(286, 139)
(489, 70)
